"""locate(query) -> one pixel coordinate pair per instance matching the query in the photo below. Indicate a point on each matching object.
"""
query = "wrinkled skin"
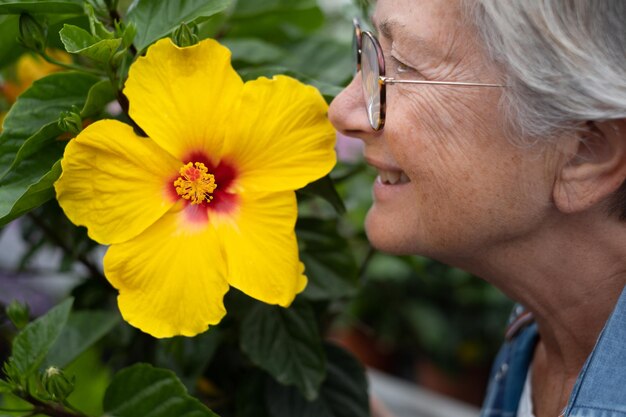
(532, 220)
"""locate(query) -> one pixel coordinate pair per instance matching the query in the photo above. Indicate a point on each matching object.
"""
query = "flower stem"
(69, 66)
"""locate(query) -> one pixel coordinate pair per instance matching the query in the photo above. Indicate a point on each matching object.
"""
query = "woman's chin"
(388, 235)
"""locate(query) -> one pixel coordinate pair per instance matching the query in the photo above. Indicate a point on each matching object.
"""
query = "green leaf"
(41, 6)
(287, 344)
(253, 8)
(36, 143)
(253, 51)
(38, 106)
(100, 94)
(5, 387)
(156, 19)
(83, 329)
(328, 259)
(343, 393)
(142, 390)
(275, 20)
(10, 49)
(95, 25)
(321, 58)
(79, 41)
(25, 190)
(31, 345)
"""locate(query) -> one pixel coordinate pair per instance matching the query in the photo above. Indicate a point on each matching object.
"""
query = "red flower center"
(205, 187)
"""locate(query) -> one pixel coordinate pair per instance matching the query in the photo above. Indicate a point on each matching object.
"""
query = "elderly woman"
(498, 129)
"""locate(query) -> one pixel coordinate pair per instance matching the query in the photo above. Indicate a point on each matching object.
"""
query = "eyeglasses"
(371, 62)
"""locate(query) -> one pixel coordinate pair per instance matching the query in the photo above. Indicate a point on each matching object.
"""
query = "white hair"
(565, 60)
(565, 63)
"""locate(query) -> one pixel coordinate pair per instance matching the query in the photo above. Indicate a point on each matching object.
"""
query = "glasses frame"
(384, 80)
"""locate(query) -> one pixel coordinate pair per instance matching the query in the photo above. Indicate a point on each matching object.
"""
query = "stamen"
(195, 183)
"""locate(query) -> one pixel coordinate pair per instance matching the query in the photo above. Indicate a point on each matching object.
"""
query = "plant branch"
(50, 409)
(366, 261)
(51, 233)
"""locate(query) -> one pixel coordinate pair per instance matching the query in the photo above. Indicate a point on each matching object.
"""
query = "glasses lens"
(370, 72)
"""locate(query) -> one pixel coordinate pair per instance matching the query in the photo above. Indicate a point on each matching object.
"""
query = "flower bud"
(33, 35)
(185, 35)
(97, 29)
(18, 313)
(70, 121)
(12, 373)
(57, 384)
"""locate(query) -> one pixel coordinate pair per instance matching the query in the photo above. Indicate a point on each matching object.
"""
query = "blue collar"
(600, 389)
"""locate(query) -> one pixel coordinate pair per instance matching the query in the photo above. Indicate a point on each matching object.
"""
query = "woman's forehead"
(427, 16)
(430, 27)
(421, 11)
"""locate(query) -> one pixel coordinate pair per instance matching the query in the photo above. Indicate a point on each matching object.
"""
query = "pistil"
(195, 183)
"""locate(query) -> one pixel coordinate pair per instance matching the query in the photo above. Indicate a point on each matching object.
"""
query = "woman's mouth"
(392, 177)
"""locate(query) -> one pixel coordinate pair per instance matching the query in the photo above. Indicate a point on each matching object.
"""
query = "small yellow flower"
(205, 202)
(31, 67)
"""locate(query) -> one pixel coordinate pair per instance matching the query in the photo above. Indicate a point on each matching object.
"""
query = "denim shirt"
(600, 390)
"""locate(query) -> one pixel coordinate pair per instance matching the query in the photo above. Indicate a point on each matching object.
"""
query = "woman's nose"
(347, 111)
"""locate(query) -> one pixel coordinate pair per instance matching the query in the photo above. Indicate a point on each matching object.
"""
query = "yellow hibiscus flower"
(205, 202)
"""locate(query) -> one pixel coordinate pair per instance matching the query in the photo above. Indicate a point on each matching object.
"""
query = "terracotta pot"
(365, 347)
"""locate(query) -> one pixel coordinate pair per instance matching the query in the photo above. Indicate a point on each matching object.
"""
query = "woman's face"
(463, 187)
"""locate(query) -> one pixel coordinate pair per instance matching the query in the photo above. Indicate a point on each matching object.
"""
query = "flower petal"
(114, 182)
(281, 139)
(262, 250)
(181, 96)
(171, 278)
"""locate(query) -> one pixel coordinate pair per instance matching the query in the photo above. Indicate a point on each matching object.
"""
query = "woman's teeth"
(393, 177)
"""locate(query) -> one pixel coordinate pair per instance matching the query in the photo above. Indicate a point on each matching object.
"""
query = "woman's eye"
(400, 67)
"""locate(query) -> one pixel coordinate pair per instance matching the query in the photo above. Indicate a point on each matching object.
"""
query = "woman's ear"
(594, 168)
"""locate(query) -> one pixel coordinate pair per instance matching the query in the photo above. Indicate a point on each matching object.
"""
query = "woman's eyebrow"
(388, 27)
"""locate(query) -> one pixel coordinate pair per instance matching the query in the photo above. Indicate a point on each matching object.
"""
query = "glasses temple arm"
(388, 80)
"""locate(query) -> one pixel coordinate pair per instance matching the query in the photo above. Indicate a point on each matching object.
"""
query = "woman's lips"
(387, 173)
(391, 182)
